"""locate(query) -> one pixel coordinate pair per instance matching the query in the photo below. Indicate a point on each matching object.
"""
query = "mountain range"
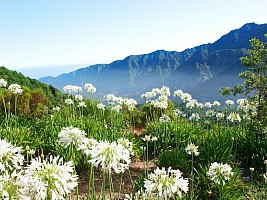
(200, 71)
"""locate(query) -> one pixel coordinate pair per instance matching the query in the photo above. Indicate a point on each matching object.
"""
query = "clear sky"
(36, 33)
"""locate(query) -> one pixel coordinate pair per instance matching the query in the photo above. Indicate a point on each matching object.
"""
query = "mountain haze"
(201, 70)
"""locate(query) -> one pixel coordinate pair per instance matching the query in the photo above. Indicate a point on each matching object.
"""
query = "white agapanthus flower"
(15, 89)
(90, 88)
(192, 149)
(127, 144)
(69, 101)
(81, 104)
(234, 117)
(219, 115)
(216, 104)
(78, 97)
(219, 173)
(165, 184)
(229, 102)
(110, 156)
(8, 186)
(208, 104)
(57, 109)
(47, 179)
(11, 157)
(178, 93)
(178, 113)
(164, 118)
(100, 106)
(3, 83)
(116, 108)
(71, 89)
(194, 117)
(165, 91)
(146, 138)
(71, 135)
(186, 97)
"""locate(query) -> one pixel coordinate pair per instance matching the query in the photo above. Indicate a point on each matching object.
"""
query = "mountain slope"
(201, 70)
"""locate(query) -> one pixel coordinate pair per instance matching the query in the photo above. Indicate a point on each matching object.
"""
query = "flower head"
(164, 184)
(110, 156)
(192, 149)
(11, 157)
(15, 89)
(71, 135)
(90, 88)
(164, 118)
(3, 83)
(47, 178)
(219, 173)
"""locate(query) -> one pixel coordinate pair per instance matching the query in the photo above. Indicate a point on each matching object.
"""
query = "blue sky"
(37, 33)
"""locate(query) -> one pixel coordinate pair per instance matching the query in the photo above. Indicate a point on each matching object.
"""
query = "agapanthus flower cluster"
(11, 157)
(69, 101)
(194, 117)
(71, 135)
(8, 186)
(164, 118)
(90, 88)
(178, 113)
(81, 104)
(110, 156)
(234, 117)
(229, 102)
(3, 82)
(47, 179)
(57, 109)
(78, 97)
(165, 184)
(192, 149)
(15, 88)
(219, 173)
(100, 106)
(71, 89)
(158, 97)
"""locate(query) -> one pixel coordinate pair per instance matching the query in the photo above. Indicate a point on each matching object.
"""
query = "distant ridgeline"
(200, 71)
(36, 98)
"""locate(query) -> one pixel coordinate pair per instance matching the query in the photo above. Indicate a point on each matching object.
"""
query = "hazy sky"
(37, 33)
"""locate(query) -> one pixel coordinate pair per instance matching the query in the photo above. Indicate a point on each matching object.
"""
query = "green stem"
(119, 193)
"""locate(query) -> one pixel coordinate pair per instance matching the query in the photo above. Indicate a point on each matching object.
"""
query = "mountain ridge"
(188, 70)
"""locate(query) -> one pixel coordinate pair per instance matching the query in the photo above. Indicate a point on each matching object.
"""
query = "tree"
(255, 84)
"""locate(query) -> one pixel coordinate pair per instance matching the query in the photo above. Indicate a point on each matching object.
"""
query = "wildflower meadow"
(86, 148)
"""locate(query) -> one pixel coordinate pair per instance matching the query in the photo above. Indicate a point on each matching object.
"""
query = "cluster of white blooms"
(11, 157)
(57, 109)
(234, 117)
(164, 118)
(208, 104)
(219, 173)
(3, 82)
(8, 188)
(194, 117)
(210, 113)
(71, 135)
(229, 102)
(110, 156)
(140, 195)
(69, 101)
(178, 113)
(216, 104)
(148, 138)
(191, 103)
(81, 104)
(15, 88)
(161, 97)
(165, 184)
(100, 106)
(127, 144)
(192, 149)
(47, 179)
(71, 89)
(90, 88)
(249, 108)
(118, 103)
(220, 115)
(78, 97)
